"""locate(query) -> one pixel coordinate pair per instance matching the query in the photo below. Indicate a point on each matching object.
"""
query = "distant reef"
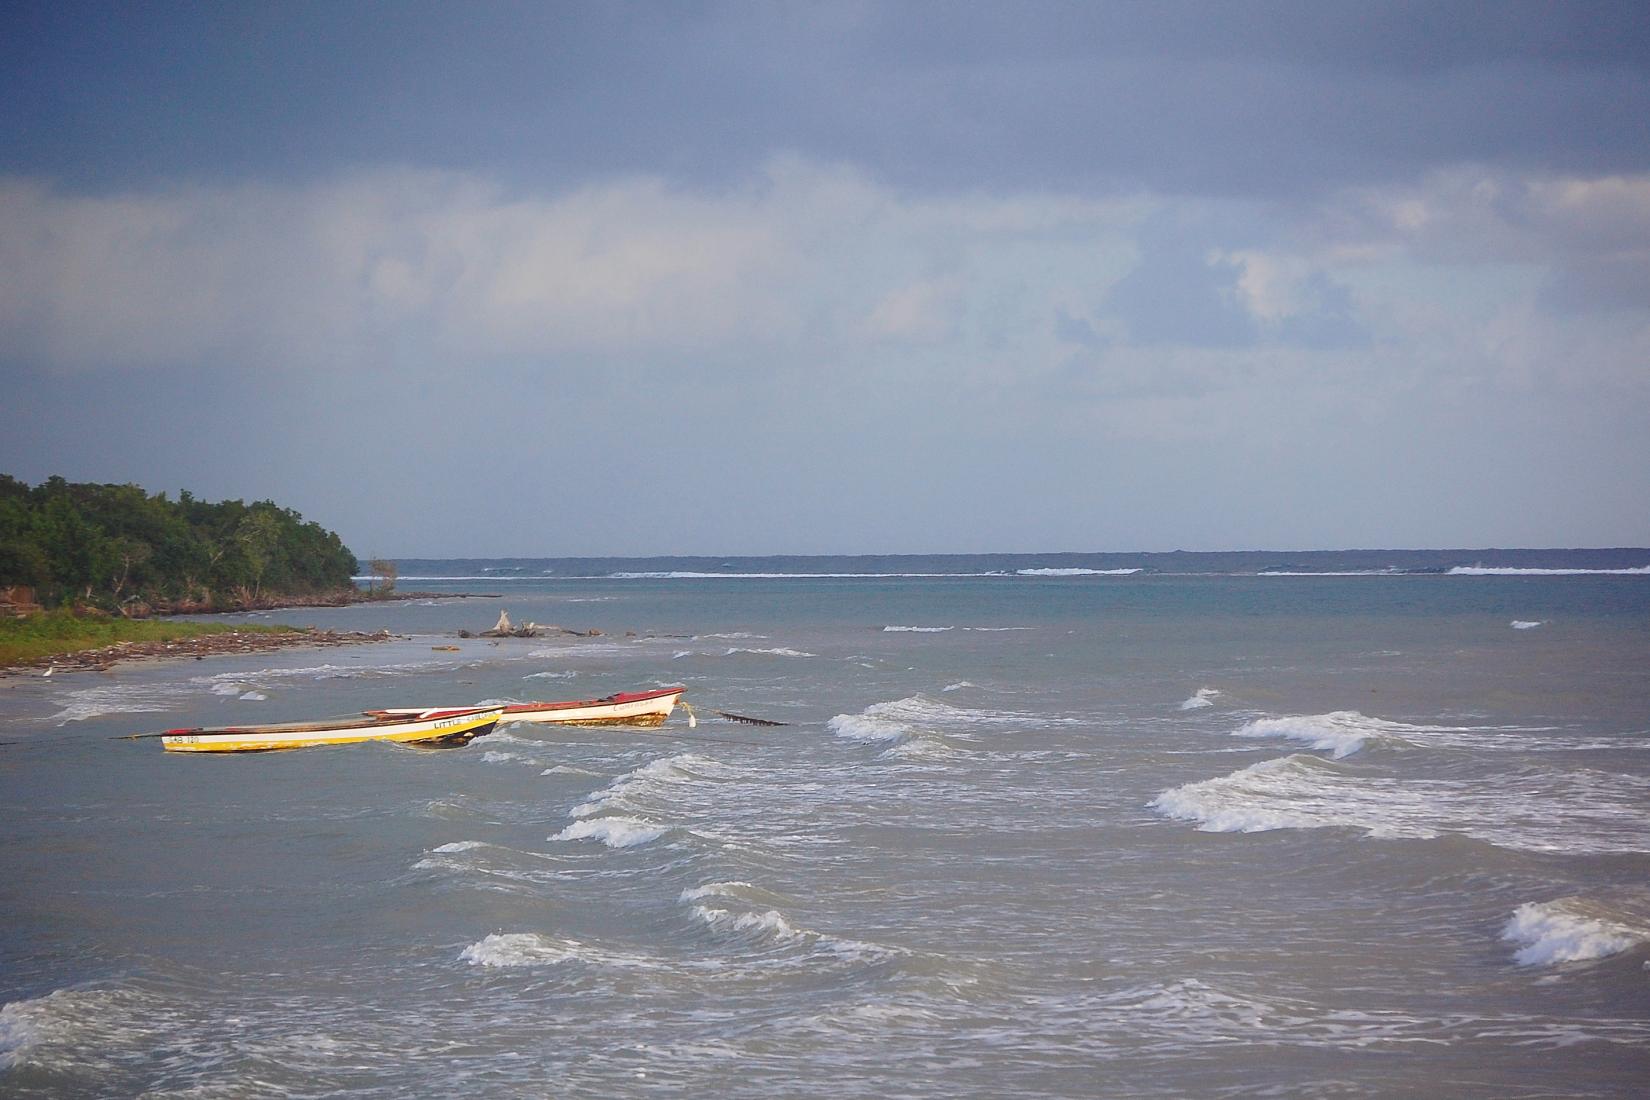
(117, 549)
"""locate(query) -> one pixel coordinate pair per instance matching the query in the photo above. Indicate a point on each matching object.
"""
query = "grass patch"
(51, 633)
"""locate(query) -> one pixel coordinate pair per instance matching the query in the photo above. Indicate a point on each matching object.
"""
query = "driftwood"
(748, 720)
(504, 628)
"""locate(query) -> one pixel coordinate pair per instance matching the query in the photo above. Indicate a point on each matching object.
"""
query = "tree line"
(121, 549)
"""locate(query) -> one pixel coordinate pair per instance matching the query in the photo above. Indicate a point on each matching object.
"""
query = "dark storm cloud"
(1274, 98)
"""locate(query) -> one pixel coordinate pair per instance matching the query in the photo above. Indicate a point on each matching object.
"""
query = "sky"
(600, 278)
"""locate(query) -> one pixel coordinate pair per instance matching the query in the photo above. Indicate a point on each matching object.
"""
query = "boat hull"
(640, 708)
(455, 728)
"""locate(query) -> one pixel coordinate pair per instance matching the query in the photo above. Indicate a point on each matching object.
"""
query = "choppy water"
(1027, 833)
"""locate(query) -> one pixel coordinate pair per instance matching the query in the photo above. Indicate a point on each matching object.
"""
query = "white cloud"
(350, 271)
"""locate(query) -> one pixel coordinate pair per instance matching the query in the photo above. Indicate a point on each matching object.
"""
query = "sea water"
(1035, 826)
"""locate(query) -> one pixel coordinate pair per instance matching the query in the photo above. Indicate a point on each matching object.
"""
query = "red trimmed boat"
(626, 708)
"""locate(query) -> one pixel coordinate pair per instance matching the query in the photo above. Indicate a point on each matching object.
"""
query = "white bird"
(49, 670)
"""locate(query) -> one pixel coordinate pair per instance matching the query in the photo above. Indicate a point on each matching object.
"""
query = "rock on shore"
(205, 645)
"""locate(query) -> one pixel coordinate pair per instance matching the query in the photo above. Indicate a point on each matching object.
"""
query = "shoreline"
(326, 599)
(228, 643)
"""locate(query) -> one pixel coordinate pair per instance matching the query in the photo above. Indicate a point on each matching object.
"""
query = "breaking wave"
(1516, 571)
(1340, 733)
(615, 832)
(516, 949)
(1076, 572)
(1574, 929)
(1535, 810)
(1203, 698)
(1525, 624)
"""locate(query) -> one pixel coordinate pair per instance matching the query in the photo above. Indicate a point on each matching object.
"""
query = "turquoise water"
(1191, 831)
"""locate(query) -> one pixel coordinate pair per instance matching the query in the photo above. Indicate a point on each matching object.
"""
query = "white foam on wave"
(776, 651)
(665, 769)
(1577, 810)
(916, 629)
(691, 575)
(460, 846)
(1299, 792)
(615, 831)
(959, 685)
(1571, 930)
(516, 949)
(1512, 571)
(1344, 732)
(920, 715)
(85, 703)
(565, 769)
(1526, 624)
(717, 890)
(20, 1029)
(868, 728)
(1075, 572)
(772, 927)
(1339, 733)
(1204, 698)
(565, 674)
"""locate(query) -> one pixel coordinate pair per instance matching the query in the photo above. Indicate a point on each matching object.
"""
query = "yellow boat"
(447, 727)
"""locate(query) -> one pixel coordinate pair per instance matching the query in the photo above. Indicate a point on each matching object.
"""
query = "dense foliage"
(121, 549)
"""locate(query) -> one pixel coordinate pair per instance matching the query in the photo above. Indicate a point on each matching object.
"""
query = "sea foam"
(1075, 572)
(1204, 698)
(1299, 792)
(1512, 571)
(1571, 930)
(1340, 733)
(615, 832)
(516, 949)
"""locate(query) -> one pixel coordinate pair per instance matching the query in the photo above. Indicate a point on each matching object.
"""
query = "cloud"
(389, 268)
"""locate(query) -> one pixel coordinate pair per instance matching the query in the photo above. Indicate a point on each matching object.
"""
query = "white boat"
(452, 726)
(626, 708)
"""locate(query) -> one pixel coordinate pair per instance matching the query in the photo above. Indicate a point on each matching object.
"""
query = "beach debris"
(749, 721)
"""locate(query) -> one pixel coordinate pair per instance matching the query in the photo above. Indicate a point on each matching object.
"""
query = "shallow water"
(1040, 835)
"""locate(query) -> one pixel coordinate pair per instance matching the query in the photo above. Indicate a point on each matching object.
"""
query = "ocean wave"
(1340, 733)
(84, 703)
(917, 629)
(1299, 792)
(1528, 809)
(517, 949)
(19, 1030)
(1389, 572)
(692, 575)
(1573, 929)
(1525, 624)
(1344, 732)
(1203, 698)
(615, 832)
(770, 927)
(776, 651)
(1518, 571)
(1076, 572)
